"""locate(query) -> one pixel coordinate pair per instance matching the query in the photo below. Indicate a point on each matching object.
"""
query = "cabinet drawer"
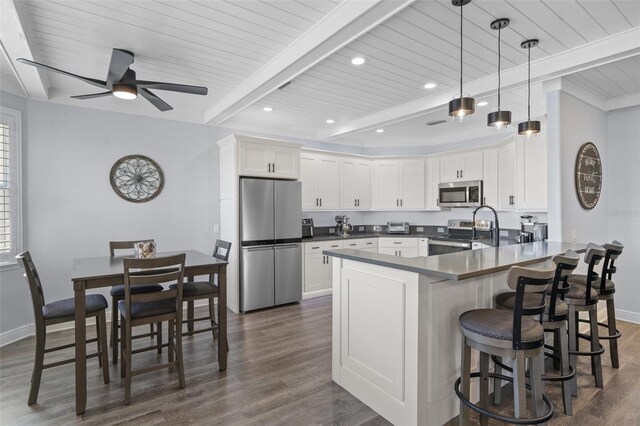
(319, 246)
(361, 243)
(398, 242)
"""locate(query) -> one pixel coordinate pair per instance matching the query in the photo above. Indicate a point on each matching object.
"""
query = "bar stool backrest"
(529, 280)
(123, 245)
(592, 257)
(565, 265)
(35, 286)
(614, 249)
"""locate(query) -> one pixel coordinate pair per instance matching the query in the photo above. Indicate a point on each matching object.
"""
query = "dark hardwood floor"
(279, 372)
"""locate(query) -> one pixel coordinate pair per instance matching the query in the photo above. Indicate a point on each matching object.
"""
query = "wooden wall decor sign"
(588, 175)
(136, 178)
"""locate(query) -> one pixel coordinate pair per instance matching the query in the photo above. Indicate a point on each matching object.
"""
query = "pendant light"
(462, 107)
(499, 119)
(529, 128)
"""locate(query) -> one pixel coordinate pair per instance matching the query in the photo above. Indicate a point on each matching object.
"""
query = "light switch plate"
(504, 233)
(360, 228)
(216, 228)
(419, 229)
(440, 230)
(332, 230)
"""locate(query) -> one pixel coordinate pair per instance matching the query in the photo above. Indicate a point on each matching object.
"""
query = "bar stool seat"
(66, 307)
(508, 301)
(609, 286)
(577, 295)
(118, 290)
(198, 289)
(497, 325)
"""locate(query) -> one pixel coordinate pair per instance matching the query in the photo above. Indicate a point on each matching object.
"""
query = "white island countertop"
(465, 264)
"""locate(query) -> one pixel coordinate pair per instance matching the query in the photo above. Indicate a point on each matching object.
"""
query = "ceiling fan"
(121, 81)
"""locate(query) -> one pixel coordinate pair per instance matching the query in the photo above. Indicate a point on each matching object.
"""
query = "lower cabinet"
(317, 268)
(403, 247)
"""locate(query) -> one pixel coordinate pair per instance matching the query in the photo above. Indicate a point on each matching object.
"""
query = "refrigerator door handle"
(258, 248)
(284, 246)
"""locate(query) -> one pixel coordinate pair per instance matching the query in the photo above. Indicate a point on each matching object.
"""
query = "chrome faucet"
(495, 232)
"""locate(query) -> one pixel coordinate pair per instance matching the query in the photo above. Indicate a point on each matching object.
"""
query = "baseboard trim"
(628, 316)
(29, 330)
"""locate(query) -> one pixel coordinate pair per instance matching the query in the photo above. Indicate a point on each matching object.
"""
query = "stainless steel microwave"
(460, 194)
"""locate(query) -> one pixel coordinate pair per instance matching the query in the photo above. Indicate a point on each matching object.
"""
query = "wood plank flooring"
(279, 372)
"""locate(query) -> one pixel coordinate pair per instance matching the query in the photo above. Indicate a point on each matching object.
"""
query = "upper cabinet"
(461, 167)
(399, 184)
(490, 178)
(320, 177)
(355, 183)
(269, 160)
(523, 175)
(507, 176)
(432, 182)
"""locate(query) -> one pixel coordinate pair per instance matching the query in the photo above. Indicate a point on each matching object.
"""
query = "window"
(10, 190)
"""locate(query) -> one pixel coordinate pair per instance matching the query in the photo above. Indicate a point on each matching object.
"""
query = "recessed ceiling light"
(483, 103)
(268, 109)
(330, 121)
(358, 60)
(380, 131)
(430, 86)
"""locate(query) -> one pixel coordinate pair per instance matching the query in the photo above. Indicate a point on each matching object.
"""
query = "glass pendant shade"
(462, 107)
(499, 119)
(530, 127)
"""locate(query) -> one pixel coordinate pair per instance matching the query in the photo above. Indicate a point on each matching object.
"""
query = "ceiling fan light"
(529, 128)
(461, 108)
(125, 91)
(499, 119)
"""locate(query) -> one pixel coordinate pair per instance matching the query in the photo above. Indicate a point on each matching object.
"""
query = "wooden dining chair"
(148, 308)
(200, 290)
(61, 311)
(117, 294)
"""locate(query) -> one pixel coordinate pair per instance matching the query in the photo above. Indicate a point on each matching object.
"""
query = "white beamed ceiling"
(223, 44)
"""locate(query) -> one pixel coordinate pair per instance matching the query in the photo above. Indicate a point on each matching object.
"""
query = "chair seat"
(609, 286)
(197, 289)
(508, 300)
(118, 290)
(577, 295)
(498, 324)
(149, 309)
(66, 307)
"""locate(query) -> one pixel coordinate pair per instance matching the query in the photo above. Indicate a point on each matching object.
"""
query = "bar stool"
(511, 334)
(606, 290)
(582, 298)
(554, 320)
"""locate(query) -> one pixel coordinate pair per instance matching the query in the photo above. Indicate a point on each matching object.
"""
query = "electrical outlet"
(332, 230)
(440, 230)
(419, 229)
(504, 233)
(377, 228)
(360, 228)
(574, 236)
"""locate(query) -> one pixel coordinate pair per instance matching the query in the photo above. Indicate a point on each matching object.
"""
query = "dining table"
(106, 271)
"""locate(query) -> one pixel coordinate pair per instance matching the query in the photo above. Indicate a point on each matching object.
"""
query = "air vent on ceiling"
(285, 85)
(434, 123)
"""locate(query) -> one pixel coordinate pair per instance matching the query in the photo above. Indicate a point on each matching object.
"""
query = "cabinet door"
(329, 182)
(531, 168)
(391, 251)
(432, 182)
(490, 177)
(309, 179)
(507, 175)
(254, 159)
(363, 184)
(471, 166)
(408, 252)
(412, 176)
(285, 162)
(348, 185)
(314, 272)
(450, 167)
(386, 184)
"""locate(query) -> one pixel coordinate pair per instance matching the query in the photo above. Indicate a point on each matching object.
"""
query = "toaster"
(397, 227)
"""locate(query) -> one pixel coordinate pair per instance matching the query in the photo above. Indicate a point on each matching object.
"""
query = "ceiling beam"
(624, 101)
(17, 42)
(346, 22)
(599, 52)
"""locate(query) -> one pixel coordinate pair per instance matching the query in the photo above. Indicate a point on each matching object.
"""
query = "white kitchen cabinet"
(355, 183)
(490, 178)
(317, 268)
(461, 167)
(398, 184)
(265, 160)
(320, 177)
(432, 182)
(507, 176)
(403, 247)
(531, 178)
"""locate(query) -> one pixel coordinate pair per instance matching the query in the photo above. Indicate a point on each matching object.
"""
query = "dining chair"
(47, 314)
(148, 308)
(117, 294)
(200, 290)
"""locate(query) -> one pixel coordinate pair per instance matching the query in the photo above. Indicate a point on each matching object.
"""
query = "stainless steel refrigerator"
(270, 239)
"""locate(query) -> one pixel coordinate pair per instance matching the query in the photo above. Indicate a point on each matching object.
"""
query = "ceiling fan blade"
(93, 81)
(156, 101)
(120, 61)
(92, 95)
(183, 88)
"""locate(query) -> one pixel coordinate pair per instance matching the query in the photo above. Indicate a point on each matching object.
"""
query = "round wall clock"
(588, 175)
(136, 178)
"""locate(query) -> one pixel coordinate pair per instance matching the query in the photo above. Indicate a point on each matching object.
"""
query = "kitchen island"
(396, 341)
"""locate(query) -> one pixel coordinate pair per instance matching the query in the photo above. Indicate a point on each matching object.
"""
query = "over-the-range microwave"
(460, 194)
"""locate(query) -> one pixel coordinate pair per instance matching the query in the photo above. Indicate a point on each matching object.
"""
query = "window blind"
(6, 245)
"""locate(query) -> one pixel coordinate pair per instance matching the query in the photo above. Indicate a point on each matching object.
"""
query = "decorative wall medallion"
(588, 175)
(136, 178)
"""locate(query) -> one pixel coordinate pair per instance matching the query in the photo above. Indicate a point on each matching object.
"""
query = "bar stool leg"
(595, 345)
(572, 347)
(556, 348)
(613, 343)
(465, 376)
(497, 383)
(564, 369)
(519, 390)
(114, 329)
(537, 385)
(484, 386)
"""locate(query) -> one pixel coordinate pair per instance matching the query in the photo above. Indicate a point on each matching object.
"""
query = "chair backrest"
(593, 255)
(565, 264)
(123, 245)
(222, 250)
(156, 270)
(35, 285)
(613, 249)
(529, 280)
